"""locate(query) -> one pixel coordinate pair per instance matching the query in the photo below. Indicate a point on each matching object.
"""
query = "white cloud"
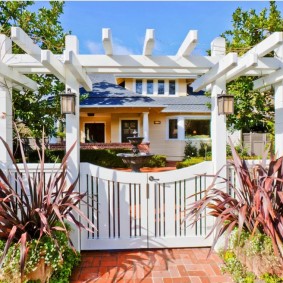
(95, 47)
(118, 47)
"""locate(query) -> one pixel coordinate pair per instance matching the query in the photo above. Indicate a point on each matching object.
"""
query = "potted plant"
(249, 217)
(35, 239)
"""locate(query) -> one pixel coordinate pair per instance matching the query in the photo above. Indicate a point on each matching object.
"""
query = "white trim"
(181, 125)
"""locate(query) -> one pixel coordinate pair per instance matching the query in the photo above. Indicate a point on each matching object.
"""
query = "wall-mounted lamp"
(225, 104)
(68, 102)
(157, 122)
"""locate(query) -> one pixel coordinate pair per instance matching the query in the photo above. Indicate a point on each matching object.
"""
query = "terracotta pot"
(259, 264)
(43, 272)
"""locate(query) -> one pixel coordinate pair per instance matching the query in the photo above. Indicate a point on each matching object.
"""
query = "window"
(139, 86)
(149, 87)
(160, 86)
(173, 128)
(172, 87)
(197, 128)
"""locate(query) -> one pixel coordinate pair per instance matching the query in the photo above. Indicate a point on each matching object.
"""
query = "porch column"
(278, 108)
(145, 127)
(218, 122)
(72, 128)
(6, 118)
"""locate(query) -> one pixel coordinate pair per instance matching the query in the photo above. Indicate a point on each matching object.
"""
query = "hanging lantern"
(68, 102)
(225, 104)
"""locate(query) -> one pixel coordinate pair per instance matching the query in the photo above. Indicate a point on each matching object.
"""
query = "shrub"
(190, 162)
(204, 150)
(35, 209)
(190, 150)
(256, 208)
(102, 157)
(156, 161)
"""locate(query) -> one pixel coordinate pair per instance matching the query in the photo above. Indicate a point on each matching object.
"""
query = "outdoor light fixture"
(68, 102)
(225, 104)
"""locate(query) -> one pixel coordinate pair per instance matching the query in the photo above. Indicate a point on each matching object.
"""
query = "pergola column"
(73, 127)
(145, 127)
(6, 118)
(218, 122)
(278, 108)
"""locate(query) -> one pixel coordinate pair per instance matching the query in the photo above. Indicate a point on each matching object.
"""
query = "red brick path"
(150, 266)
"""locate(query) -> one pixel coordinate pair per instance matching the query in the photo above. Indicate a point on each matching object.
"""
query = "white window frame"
(155, 86)
(181, 126)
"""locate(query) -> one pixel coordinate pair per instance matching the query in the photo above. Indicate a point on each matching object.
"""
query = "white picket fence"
(143, 210)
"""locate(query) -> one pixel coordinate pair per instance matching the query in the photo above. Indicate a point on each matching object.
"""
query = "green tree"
(41, 108)
(254, 110)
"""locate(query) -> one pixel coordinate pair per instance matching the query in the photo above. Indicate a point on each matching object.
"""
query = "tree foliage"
(41, 108)
(254, 110)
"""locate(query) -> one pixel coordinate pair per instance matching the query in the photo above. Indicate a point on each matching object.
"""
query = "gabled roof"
(106, 93)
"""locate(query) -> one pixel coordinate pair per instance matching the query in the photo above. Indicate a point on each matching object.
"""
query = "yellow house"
(162, 110)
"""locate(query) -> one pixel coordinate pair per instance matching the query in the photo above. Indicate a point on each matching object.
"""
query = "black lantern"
(225, 104)
(68, 102)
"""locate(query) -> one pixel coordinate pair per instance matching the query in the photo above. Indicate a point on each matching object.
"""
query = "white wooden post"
(218, 122)
(6, 118)
(278, 107)
(145, 127)
(73, 127)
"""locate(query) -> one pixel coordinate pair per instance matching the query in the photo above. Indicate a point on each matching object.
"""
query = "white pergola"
(72, 68)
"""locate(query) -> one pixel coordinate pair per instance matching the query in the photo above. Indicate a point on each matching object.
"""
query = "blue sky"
(171, 20)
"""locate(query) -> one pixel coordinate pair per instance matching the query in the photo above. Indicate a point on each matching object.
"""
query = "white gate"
(142, 210)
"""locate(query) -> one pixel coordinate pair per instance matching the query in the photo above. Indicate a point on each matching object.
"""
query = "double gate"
(143, 210)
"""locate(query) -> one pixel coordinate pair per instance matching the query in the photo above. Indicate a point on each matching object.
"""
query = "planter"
(42, 272)
(260, 263)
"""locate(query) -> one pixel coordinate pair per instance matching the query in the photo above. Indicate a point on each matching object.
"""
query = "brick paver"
(150, 266)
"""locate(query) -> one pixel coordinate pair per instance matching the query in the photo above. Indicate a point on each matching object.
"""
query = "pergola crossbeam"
(188, 44)
(107, 41)
(267, 45)
(225, 64)
(16, 77)
(266, 81)
(25, 42)
(148, 42)
(53, 64)
(72, 62)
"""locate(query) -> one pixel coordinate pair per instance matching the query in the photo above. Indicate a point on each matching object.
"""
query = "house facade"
(163, 110)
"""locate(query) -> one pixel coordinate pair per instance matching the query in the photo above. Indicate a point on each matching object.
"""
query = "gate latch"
(152, 179)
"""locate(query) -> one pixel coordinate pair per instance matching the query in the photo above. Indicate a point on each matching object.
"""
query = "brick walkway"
(150, 266)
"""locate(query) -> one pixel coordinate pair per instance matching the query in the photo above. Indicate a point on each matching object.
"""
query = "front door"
(95, 132)
(128, 127)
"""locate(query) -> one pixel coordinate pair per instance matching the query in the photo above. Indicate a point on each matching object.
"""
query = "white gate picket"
(121, 208)
(140, 210)
(167, 203)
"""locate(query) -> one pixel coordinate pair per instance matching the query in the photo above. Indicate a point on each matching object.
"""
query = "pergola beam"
(107, 41)
(53, 64)
(244, 64)
(266, 81)
(72, 62)
(267, 45)
(225, 64)
(148, 42)
(25, 42)
(16, 77)
(188, 44)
